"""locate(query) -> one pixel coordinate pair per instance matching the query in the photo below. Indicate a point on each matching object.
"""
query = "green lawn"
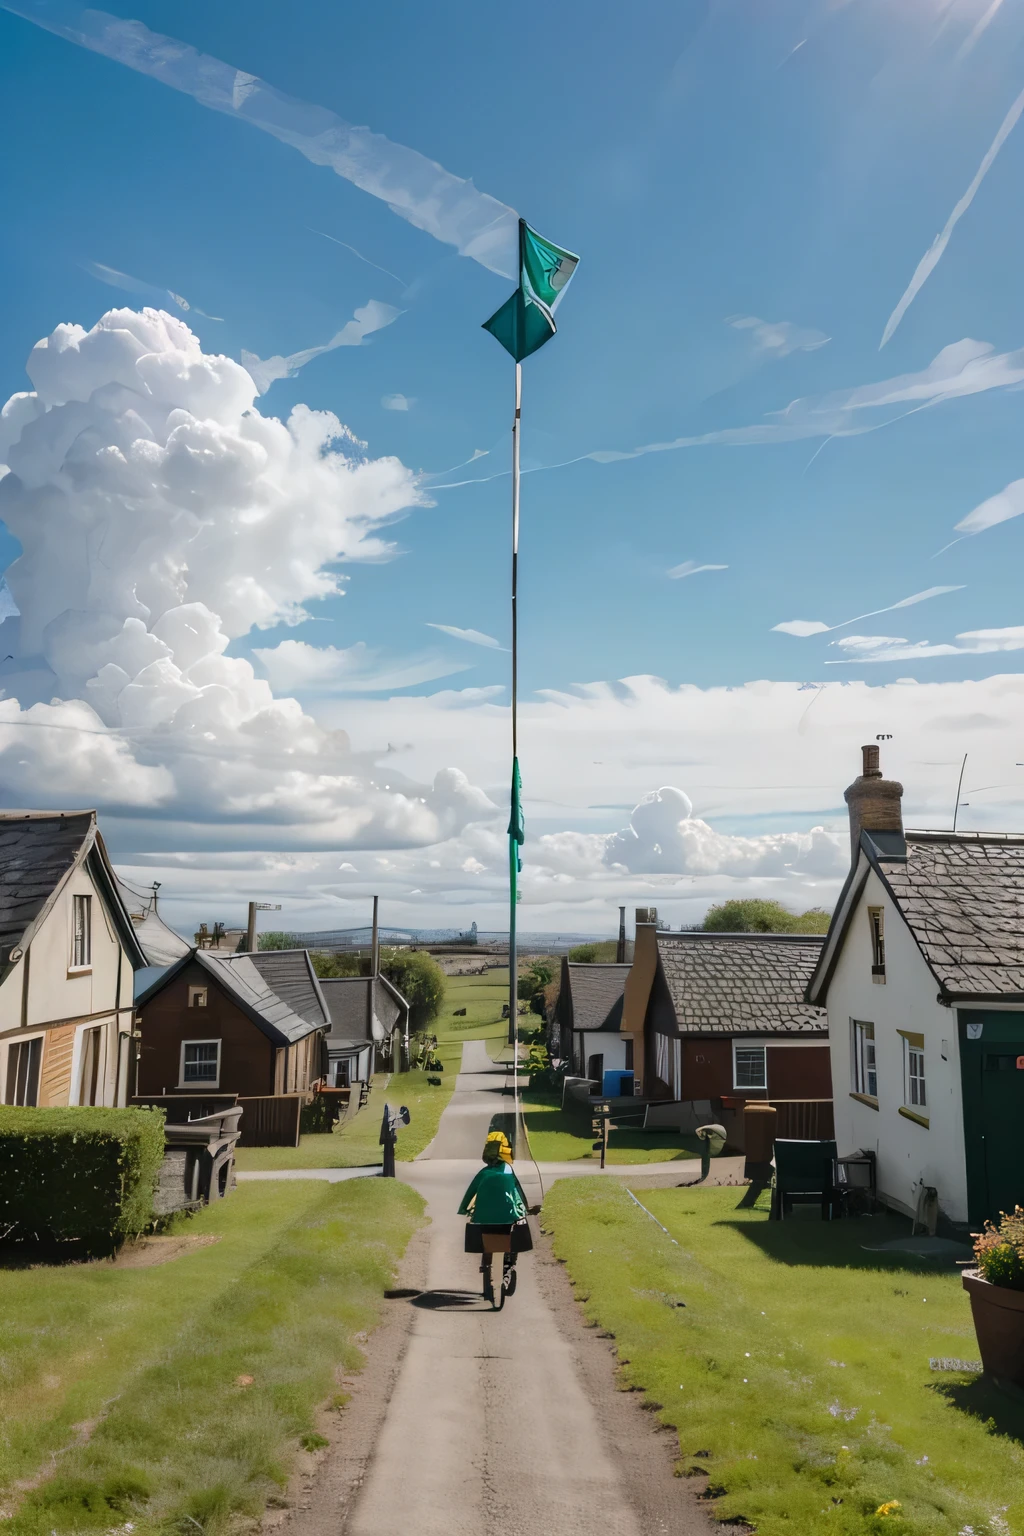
(794, 1364)
(122, 1391)
(482, 997)
(356, 1144)
(558, 1136)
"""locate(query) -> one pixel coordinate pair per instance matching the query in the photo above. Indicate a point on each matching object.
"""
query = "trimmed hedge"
(84, 1175)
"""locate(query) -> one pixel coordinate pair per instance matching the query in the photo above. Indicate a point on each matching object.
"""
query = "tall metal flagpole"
(513, 846)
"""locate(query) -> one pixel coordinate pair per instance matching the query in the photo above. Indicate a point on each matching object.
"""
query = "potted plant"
(996, 1289)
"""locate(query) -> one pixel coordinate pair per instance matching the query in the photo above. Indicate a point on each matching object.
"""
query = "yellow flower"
(893, 1507)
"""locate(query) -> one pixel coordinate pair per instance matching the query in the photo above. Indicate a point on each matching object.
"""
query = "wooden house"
(368, 1017)
(251, 1025)
(68, 953)
(922, 976)
(588, 1017)
(722, 1017)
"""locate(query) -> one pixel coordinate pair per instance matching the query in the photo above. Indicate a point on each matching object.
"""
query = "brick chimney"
(876, 804)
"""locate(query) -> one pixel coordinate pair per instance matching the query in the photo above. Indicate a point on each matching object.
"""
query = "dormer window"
(876, 923)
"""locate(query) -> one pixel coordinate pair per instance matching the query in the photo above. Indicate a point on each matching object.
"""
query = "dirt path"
(469, 1422)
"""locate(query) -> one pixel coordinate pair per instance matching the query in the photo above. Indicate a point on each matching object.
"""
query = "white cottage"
(922, 975)
(68, 953)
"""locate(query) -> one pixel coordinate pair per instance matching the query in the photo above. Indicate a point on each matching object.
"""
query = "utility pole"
(250, 931)
(620, 948)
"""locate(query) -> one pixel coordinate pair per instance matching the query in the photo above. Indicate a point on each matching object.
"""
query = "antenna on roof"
(959, 787)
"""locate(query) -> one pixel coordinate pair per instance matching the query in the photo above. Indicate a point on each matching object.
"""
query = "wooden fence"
(272, 1121)
(804, 1119)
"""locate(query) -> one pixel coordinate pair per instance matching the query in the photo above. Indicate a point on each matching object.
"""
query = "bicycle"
(507, 1287)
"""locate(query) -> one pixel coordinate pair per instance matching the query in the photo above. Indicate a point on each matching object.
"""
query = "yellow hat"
(496, 1148)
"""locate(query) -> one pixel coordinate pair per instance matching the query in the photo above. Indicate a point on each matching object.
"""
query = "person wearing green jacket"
(496, 1206)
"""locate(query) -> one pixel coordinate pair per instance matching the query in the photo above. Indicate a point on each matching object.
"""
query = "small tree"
(756, 915)
(583, 954)
(535, 978)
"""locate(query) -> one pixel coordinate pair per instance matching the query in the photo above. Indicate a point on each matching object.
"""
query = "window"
(90, 1085)
(343, 1074)
(23, 1060)
(81, 944)
(661, 1058)
(876, 922)
(749, 1068)
(200, 1063)
(914, 1094)
(865, 1075)
(197, 997)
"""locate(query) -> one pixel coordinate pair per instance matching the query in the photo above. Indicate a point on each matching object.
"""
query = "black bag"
(522, 1238)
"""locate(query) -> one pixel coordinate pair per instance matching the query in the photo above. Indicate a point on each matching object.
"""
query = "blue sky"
(785, 167)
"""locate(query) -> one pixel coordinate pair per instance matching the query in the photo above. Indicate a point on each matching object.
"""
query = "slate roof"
(290, 973)
(595, 995)
(38, 851)
(346, 999)
(741, 983)
(962, 895)
(250, 989)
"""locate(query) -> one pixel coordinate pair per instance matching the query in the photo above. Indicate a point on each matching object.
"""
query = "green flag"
(516, 827)
(526, 320)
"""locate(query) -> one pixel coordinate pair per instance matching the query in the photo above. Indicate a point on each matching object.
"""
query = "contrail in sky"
(933, 255)
(448, 207)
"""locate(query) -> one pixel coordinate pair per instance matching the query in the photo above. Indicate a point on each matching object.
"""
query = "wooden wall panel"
(55, 1076)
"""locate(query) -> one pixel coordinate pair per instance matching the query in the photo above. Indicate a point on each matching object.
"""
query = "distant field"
(483, 998)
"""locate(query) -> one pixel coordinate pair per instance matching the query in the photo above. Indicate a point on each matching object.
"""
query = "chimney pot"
(875, 804)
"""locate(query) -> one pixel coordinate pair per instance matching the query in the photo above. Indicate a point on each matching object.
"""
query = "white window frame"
(81, 958)
(13, 1045)
(864, 1064)
(194, 995)
(914, 1081)
(661, 1059)
(82, 1061)
(199, 1083)
(876, 928)
(755, 1046)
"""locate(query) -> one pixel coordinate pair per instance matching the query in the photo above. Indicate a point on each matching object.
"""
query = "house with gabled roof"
(368, 1014)
(722, 1017)
(922, 976)
(68, 953)
(588, 1016)
(246, 1024)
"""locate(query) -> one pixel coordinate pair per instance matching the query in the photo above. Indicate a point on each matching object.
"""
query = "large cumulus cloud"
(161, 515)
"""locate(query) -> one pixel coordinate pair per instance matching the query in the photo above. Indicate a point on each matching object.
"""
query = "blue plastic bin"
(616, 1085)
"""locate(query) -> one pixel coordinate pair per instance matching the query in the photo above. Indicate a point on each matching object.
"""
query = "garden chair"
(804, 1170)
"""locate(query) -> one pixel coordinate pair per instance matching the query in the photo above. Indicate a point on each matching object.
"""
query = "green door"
(992, 1070)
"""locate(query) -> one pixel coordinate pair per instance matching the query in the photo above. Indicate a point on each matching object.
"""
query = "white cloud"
(961, 369)
(295, 665)
(417, 189)
(128, 284)
(473, 636)
(161, 516)
(802, 628)
(397, 402)
(974, 642)
(371, 316)
(779, 337)
(981, 25)
(345, 245)
(1006, 504)
(691, 568)
(931, 258)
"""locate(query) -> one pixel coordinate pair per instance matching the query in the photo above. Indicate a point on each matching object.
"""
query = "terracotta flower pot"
(999, 1323)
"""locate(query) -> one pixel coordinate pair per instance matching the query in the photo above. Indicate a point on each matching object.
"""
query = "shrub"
(583, 954)
(999, 1251)
(274, 940)
(317, 1118)
(84, 1175)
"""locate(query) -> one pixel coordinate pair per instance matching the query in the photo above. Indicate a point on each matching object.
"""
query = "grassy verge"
(558, 1136)
(795, 1364)
(482, 997)
(356, 1144)
(176, 1397)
